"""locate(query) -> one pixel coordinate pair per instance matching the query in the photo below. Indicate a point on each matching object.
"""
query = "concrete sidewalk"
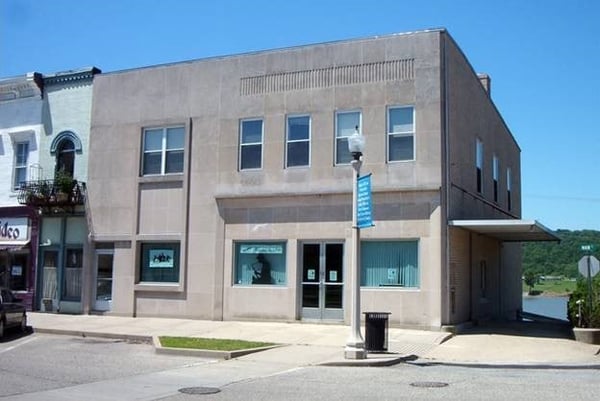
(516, 344)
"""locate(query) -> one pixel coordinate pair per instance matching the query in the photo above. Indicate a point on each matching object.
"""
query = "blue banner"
(364, 212)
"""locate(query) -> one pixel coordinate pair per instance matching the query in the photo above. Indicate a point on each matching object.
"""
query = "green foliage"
(530, 280)
(590, 316)
(215, 344)
(64, 181)
(558, 259)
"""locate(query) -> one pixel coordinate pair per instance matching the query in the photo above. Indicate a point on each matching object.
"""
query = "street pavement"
(513, 344)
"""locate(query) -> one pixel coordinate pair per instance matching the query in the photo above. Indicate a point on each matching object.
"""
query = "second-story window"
(479, 164)
(163, 151)
(251, 144)
(496, 173)
(509, 188)
(298, 141)
(346, 123)
(401, 134)
(21, 157)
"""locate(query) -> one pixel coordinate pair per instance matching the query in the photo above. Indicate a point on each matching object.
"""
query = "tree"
(530, 280)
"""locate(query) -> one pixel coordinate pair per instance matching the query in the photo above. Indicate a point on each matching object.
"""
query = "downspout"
(445, 192)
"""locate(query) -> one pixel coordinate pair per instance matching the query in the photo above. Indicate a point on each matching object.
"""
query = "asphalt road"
(47, 367)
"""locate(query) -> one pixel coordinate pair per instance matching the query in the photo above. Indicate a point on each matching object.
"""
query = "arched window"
(63, 147)
(65, 157)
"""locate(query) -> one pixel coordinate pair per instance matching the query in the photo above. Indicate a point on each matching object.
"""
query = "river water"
(555, 307)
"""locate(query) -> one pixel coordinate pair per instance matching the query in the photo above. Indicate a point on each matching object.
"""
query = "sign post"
(589, 266)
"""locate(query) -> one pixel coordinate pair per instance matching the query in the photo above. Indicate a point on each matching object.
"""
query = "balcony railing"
(48, 194)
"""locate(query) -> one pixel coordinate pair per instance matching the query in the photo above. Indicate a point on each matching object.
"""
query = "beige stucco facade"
(212, 204)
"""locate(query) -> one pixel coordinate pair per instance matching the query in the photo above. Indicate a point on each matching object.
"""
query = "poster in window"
(161, 258)
(17, 271)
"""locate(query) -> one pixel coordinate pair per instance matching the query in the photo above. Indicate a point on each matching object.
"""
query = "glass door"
(103, 280)
(322, 281)
(49, 280)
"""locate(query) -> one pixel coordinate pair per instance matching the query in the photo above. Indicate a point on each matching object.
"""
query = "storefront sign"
(261, 248)
(14, 230)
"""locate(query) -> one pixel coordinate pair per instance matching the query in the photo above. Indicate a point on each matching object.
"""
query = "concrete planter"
(589, 336)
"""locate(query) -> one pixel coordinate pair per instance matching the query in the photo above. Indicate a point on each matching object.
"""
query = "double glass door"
(322, 281)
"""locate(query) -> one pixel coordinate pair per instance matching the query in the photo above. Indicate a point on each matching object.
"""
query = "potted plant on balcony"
(585, 317)
(64, 183)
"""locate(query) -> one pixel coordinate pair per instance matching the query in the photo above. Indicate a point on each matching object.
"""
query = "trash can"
(376, 331)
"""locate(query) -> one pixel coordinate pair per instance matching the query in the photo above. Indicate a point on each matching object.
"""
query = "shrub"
(590, 316)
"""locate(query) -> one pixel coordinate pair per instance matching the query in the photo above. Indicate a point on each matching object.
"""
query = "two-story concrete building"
(221, 188)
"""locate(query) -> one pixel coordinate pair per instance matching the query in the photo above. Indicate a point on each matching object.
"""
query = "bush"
(590, 317)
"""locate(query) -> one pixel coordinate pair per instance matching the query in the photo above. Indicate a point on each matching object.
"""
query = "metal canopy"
(511, 230)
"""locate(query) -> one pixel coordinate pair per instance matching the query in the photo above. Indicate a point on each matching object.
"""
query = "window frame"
(479, 150)
(496, 176)
(164, 150)
(405, 134)
(337, 138)
(509, 188)
(20, 166)
(241, 144)
(144, 256)
(238, 279)
(416, 242)
(288, 141)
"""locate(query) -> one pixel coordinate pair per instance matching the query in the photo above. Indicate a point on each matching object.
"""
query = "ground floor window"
(259, 263)
(14, 269)
(73, 274)
(160, 262)
(390, 263)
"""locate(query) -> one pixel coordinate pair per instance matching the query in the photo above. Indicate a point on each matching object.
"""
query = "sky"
(543, 57)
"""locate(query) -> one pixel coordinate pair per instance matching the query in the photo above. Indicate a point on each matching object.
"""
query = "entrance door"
(103, 280)
(322, 281)
(49, 280)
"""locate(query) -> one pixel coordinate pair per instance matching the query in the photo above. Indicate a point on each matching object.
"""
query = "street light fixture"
(355, 346)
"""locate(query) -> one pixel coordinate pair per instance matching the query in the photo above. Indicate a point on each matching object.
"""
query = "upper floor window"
(65, 157)
(251, 144)
(496, 173)
(509, 188)
(479, 164)
(346, 123)
(21, 158)
(163, 151)
(298, 141)
(401, 133)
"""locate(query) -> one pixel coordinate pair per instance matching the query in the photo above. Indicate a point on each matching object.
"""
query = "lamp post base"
(355, 352)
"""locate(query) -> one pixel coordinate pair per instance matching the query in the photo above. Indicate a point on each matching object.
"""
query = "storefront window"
(160, 262)
(259, 263)
(13, 270)
(389, 264)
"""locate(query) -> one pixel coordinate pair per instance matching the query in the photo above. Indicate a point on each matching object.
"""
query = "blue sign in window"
(364, 215)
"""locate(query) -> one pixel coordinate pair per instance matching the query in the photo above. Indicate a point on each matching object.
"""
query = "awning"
(13, 246)
(510, 230)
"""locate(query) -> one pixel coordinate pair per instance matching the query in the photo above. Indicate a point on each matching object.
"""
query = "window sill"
(161, 178)
(158, 287)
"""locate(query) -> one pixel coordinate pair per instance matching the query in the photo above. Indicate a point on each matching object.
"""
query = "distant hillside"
(559, 259)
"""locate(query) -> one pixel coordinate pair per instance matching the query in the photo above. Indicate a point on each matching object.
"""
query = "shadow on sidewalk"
(557, 329)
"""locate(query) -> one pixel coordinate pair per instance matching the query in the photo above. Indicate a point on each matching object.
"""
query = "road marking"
(18, 345)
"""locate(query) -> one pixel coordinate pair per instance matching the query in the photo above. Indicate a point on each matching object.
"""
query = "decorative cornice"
(392, 70)
(71, 76)
(26, 86)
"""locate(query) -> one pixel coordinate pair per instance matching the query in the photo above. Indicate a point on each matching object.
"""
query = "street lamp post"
(355, 346)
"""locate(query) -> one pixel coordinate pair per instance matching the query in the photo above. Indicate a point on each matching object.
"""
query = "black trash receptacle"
(376, 331)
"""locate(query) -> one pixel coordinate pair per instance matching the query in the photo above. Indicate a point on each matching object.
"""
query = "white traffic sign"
(592, 262)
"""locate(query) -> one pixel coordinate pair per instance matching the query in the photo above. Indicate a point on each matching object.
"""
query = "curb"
(80, 333)
(506, 365)
(377, 361)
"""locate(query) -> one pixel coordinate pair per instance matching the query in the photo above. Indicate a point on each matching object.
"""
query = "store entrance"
(322, 280)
